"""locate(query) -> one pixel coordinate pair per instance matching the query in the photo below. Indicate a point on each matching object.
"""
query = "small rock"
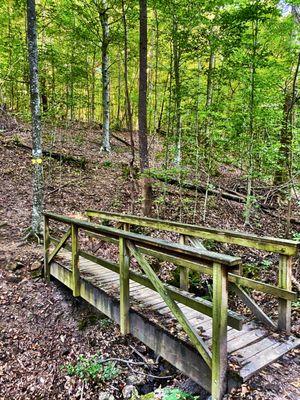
(105, 396)
(130, 392)
(35, 265)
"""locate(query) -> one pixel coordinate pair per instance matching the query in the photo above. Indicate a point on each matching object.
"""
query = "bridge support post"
(219, 338)
(285, 282)
(184, 272)
(75, 261)
(46, 249)
(124, 286)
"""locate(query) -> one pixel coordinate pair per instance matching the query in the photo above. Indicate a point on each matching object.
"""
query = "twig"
(139, 354)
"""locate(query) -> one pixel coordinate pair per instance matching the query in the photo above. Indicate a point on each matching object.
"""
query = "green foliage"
(92, 369)
(168, 393)
(107, 164)
(296, 236)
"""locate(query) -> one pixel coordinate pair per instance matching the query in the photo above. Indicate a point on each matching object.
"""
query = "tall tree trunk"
(103, 14)
(176, 60)
(127, 94)
(282, 175)
(250, 168)
(143, 142)
(38, 182)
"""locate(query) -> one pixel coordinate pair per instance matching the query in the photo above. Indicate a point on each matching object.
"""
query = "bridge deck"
(250, 349)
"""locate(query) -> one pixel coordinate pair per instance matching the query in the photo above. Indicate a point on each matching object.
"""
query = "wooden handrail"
(207, 257)
(279, 246)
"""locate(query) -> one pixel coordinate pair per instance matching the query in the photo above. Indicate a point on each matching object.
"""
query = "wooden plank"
(285, 282)
(269, 355)
(253, 306)
(192, 334)
(280, 246)
(75, 261)
(219, 337)
(253, 349)
(124, 286)
(246, 339)
(46, 249)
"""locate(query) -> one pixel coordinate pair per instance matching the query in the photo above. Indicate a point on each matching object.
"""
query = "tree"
(103, 16)
(143, 141)
(38, 183)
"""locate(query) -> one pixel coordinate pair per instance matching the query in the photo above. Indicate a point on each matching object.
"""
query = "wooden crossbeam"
(59, 245)
(189, 329)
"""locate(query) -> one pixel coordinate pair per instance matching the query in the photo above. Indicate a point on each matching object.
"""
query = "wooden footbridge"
(214, 346)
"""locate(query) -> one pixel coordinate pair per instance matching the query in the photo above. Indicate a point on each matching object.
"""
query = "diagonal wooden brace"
(188, 328)
(60, 245)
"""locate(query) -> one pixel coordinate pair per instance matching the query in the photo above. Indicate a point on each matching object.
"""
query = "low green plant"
(176, 394)
(107, 164)
(296, 236)
(266, 264)
(92, 369)
(105, 323)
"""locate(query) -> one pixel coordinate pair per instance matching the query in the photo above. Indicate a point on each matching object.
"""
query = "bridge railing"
(134, 245)
(286, 249)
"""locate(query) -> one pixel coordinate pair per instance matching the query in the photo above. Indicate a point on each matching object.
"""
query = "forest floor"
(42, 328)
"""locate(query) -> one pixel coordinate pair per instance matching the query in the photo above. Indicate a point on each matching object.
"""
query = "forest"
(167, 134)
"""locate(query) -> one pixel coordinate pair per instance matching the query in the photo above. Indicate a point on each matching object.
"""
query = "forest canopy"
(222, 78)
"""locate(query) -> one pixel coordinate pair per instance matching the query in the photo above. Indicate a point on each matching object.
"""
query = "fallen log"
(78, 161)
(201, 189)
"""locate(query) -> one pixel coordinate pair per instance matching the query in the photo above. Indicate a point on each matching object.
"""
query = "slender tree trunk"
(38, 183)
(143, 142)
(93, 87)
(127, 94)
(103, 14)
(176, 60)
(250, 168)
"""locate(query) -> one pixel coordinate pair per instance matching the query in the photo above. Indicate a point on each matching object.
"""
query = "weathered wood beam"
(219, 332)
(60, 245)
(280, 246)
(183, 271)
(253, 306)
(285, 282)
(155, 243)
(124, 286)
(75, 261)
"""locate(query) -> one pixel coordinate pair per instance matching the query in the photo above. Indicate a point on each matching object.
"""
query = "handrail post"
(285, 282)
(124, 261)
(219, 332)
(75, 261)
(46, 249)
(184, 272)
